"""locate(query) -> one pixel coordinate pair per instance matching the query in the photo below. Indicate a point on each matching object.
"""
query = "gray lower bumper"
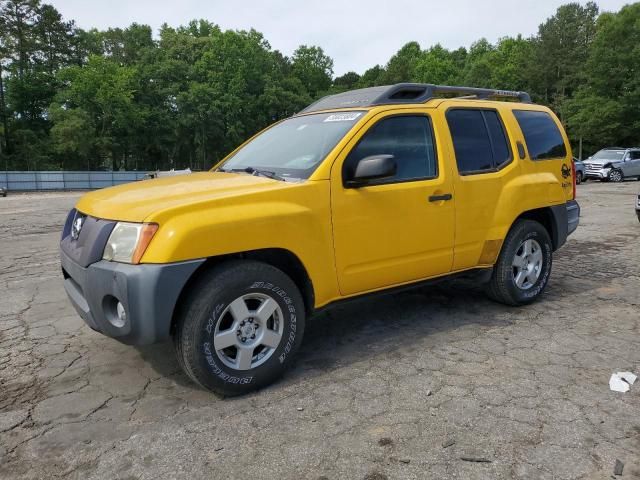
(565, 221)
(148, 292)
(573, 216)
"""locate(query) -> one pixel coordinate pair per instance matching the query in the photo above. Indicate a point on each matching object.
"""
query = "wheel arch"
(553, 219)
(280, 258)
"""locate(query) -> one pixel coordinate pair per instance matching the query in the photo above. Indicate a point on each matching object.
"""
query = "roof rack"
(407, 93)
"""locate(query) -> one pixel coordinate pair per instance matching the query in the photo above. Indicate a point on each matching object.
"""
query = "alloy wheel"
(248, 331)
(527, 264)
(615, 176)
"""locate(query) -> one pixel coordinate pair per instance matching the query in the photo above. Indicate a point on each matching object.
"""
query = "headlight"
(128, 242)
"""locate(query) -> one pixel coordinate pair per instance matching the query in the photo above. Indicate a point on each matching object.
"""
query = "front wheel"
(615, 175)
(240, 327)
(579, 179)
(524, 265)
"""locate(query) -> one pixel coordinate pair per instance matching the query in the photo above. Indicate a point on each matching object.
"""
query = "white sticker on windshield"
(343, 117)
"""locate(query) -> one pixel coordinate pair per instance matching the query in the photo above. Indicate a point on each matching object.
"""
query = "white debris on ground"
(621, 381)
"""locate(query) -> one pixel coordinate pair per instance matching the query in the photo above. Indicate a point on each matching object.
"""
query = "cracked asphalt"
(437, 382)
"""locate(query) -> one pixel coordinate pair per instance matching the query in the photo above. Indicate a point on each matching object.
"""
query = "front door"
(394, 230)
(632, 164)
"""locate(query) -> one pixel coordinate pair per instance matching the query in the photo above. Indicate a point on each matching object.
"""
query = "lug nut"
(238, 332)
(251, 320)
(253, 336)
(244, 339)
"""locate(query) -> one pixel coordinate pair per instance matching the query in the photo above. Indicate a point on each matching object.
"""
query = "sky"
(357, 34)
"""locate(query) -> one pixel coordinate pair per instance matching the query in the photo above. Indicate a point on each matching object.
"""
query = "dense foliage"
(126, 99)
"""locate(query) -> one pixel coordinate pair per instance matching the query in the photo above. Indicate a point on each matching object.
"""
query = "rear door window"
(479, 140)
(543, 138)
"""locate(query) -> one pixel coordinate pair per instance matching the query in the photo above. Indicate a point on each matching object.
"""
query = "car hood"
(134, 202)
(601, 162)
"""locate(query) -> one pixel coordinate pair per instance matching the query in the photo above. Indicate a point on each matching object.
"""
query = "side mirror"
(375, 167)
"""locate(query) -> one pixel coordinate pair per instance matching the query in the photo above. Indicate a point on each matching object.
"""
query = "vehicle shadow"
(361, 329)
(392, 323)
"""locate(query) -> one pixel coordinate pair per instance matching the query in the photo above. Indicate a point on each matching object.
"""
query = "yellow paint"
(350, 241)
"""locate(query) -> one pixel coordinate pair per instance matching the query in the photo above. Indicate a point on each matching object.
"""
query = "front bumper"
(599, 174)
(148, 292)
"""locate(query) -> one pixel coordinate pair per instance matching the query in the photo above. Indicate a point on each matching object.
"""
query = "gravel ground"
(399, 386)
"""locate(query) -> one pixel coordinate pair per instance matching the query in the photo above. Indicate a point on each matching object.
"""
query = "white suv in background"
(614, 164)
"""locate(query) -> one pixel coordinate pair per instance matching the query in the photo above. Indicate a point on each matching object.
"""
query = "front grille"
(87, 248)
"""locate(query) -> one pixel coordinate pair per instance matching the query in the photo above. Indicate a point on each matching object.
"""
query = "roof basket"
(408, 93)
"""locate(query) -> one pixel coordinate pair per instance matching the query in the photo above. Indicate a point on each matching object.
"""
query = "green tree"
(372, 77)
(105, 91)
(345, 82)
(313, 68)
(72, 135)
(560, 51)
(402, 66)
(438, 65)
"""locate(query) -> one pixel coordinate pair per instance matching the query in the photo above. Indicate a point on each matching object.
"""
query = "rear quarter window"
(541, 134)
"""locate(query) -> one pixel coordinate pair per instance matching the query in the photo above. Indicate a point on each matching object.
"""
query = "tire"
(579, 178)
(616, 176)
(223, 310)
(504, 284)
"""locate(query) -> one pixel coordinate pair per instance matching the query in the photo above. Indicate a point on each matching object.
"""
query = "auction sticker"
(343, 117)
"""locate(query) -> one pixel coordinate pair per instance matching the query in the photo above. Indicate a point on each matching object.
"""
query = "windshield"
(294, 147)
(608, 155)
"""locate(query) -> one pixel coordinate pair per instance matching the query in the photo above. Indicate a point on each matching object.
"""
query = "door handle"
(439, 198)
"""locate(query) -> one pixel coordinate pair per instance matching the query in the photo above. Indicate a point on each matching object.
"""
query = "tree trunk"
(3, 112)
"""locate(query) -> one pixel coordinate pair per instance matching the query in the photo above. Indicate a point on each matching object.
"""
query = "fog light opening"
(115, 312)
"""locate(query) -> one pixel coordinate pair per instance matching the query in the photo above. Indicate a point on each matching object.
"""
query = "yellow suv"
(367, 190)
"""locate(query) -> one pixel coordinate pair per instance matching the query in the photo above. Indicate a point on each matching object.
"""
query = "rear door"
(482, 157)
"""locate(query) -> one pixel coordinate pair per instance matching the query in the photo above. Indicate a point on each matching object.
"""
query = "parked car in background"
(579, 166)
(614, 164)
(168, 173)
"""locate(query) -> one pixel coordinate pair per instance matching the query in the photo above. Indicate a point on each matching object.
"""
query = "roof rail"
(407, 93)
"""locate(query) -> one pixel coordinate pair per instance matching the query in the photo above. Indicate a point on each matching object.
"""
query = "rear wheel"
(240, 328)
(524, 265)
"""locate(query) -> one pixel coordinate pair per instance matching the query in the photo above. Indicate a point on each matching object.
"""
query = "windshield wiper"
(254, 171)
(264, 173)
